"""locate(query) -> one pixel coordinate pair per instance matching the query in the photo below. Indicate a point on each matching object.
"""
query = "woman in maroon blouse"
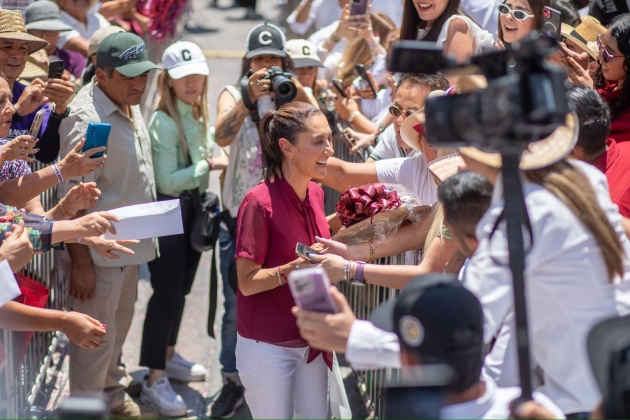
(282, 376)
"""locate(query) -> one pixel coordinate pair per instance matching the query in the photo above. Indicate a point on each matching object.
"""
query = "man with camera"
(263, 86)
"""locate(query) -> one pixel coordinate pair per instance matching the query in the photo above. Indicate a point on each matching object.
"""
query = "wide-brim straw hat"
(539, 154)
(445, 167)
(585, 33)
(33, 70)
(12, 27)
(408, 131)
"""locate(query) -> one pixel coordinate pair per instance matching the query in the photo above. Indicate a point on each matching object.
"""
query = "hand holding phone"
(97, 136)
(55, 69)
(303, 251)
(360, 68)
(37, 123)
(310, 289)
(358, 7)
(338, 85)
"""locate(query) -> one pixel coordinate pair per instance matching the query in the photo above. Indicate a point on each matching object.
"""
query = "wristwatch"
(56, 116)
(358, 279)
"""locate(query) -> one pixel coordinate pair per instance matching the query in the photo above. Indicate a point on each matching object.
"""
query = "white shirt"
(95, 21)
(561, 309)
(502, 363)
(369, 347)
(330, 59)
(484, 12)
(483, 39)
(387, 147)
(376, 109)
(494, 404)
(325, 12)
(412, 172)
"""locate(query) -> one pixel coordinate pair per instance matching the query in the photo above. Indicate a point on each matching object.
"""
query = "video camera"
(522, 103)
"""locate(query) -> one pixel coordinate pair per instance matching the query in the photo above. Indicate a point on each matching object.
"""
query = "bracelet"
(334, 38)
(353, 116)
(64, 210)
(57, 172)
(353, 270)
(282, 279)
(347, 271)
(371, 252)
(79, 240)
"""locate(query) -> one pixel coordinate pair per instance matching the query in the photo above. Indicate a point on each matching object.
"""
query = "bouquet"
(373, 212)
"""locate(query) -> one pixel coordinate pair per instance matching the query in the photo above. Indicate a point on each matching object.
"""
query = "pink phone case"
(309, 288)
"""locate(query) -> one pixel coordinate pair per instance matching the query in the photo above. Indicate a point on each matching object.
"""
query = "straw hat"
(585, 33)
(538, 154)
(412, 127)
(445, 167)
(12, 27)
(34, 69)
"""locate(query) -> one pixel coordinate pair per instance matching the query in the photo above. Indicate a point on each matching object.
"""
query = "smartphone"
(363, 153)
(37, 123)
(55, 69)
(302, 250)
(552, 23)
(310, 290)
(358, 7)
(339, 87)
(96, 136)
(360, 68)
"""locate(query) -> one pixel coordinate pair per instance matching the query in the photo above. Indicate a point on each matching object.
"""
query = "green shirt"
(172, 175)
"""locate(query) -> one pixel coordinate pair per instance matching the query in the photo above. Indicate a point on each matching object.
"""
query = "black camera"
(522, 103)
(281, 84)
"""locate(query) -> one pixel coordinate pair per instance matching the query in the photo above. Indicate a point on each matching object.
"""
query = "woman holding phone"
(283, 377)
(182, 146)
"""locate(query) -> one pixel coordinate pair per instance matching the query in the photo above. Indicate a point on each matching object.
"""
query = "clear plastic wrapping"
(380, 212)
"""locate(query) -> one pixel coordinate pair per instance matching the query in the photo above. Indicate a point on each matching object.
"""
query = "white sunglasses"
(517, 14)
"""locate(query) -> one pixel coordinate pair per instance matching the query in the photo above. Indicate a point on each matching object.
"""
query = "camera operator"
(236, 128)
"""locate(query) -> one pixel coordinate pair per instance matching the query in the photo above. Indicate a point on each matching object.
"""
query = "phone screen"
(303, 251)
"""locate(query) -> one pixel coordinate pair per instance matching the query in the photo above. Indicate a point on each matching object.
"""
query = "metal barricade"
(20, 380)
(341, 152)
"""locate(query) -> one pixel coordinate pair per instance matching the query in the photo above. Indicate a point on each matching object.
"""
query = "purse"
(33, 294)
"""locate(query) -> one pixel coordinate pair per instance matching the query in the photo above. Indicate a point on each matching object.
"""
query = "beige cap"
(99, 36)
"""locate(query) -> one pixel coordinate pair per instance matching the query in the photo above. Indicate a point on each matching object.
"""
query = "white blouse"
(483, 38)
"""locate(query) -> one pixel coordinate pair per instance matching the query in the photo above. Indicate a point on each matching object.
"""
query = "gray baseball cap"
(43, 15)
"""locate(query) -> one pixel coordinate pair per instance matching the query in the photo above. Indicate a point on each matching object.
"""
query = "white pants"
(278, 382)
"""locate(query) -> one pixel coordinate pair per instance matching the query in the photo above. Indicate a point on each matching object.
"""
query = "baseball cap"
(303, 53)
(266, 39)
(184, 58)
(43, 15)
(99, 36)
(126, 53)
(435, 316)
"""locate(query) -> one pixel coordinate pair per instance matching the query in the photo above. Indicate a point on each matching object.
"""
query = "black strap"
(252, 107)
(214, 286)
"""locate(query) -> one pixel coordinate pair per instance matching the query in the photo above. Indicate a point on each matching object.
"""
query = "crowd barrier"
(20, 380)
(364, 300)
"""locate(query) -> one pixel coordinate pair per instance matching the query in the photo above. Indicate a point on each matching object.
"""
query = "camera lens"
(284, 88)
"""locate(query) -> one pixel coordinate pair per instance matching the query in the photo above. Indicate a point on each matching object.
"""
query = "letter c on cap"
(186, 55)
(306, 50)
(265, 38)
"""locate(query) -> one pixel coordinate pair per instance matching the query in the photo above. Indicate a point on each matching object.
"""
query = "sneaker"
(127, 410)
(161, 396)
(229, 400)
(184, 371)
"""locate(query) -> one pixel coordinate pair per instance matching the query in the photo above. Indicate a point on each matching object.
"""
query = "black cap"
(266, 39)
(435, 316)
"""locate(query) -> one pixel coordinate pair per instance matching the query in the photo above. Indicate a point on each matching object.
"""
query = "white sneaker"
(161, 396)
(182, 370)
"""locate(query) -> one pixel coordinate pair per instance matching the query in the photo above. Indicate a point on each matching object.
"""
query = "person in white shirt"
(83, 17)
(484, 12)
(316, 14)
(573, 261)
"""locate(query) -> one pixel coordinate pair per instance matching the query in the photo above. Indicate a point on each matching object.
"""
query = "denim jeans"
(228, 330)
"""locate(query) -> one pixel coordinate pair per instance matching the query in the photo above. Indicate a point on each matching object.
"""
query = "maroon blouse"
(271, 221)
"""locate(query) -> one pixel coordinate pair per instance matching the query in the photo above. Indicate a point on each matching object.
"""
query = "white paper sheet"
(150, 220)
(9, 289)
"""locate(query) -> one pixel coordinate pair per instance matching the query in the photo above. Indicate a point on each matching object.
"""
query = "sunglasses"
(516, 14)
(397, 112)
(606, 56)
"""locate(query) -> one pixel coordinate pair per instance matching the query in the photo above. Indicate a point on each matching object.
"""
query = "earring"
(290, 162)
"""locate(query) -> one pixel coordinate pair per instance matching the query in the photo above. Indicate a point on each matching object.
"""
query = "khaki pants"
(99, 371)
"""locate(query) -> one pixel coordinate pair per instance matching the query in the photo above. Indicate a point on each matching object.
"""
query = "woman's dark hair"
(620, 30)
(569, 12)
(285, 123)
(411, 21)
(537, 8)
(594, 117)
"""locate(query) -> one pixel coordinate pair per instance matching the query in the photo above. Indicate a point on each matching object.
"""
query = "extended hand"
(20, 147)
(81, 197)
(82, 330)
(76, 163)
(17, 248)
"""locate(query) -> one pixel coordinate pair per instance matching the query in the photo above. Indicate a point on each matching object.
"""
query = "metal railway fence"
(20, 381)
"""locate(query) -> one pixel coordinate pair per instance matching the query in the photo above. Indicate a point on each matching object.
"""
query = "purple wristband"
(358, 279)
